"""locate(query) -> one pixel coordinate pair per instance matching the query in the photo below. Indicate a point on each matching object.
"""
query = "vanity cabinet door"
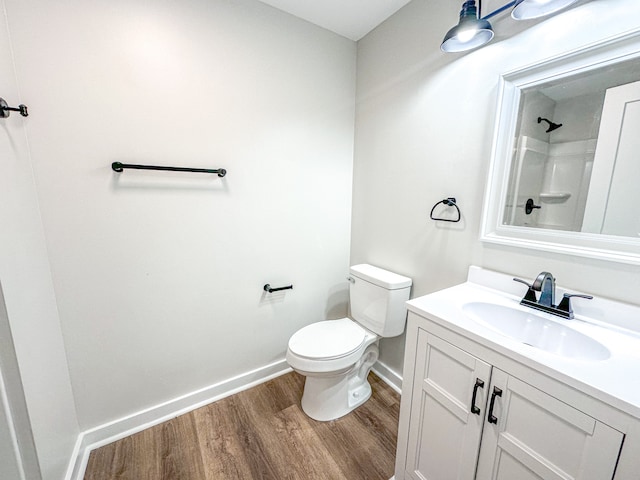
(447, 411)
(534, 436)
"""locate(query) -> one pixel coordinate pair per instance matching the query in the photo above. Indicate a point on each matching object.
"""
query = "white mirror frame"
(606, 247)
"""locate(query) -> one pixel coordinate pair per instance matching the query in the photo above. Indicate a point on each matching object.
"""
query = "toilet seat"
(327, 340)
(332, 346)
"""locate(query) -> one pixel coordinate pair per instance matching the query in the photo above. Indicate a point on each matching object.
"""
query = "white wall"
(424, 123)
(159, 276)
(48, 431)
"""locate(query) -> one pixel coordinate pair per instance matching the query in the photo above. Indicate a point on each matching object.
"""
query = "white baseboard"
(388, 376)
(136, 422)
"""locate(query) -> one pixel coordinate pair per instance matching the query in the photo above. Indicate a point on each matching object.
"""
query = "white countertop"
(615, 380)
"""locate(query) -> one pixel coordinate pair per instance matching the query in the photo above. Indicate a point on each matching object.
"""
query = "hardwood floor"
(261, 433)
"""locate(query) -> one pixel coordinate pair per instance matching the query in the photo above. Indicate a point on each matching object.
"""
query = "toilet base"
(327, 397)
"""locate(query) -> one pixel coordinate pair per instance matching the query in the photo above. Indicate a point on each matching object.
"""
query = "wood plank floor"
(261, 433)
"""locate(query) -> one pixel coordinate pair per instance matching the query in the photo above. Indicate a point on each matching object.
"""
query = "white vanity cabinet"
(536, 436)
(468, 413)
(444, 435)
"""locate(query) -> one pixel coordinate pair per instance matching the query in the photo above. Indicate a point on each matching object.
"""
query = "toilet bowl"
(336, 356)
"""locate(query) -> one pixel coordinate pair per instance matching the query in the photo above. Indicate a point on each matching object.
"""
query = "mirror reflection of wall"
(555, 149)
(613, 190)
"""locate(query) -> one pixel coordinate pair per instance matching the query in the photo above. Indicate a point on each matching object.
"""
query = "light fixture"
(474, 31)
(527, 9)
(471, 31)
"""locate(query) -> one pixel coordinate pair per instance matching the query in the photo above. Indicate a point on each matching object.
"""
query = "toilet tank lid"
(380, 277)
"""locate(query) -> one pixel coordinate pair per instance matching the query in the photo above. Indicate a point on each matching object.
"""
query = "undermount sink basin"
(536, 331)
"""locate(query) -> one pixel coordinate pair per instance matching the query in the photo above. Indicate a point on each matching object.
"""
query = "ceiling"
(350, 18)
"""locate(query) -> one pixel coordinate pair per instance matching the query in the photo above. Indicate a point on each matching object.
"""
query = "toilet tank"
(377, 298)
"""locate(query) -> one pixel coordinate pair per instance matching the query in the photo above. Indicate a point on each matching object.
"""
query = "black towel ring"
(449, 202)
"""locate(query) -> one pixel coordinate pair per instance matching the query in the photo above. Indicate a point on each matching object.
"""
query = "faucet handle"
(523, 281)
(565, 303)
(569, 295)
(530, 295)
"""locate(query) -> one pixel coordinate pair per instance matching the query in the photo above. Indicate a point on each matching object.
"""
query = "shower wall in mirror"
(559, 125)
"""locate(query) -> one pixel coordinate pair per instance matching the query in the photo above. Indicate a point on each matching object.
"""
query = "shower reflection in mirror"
(575, 154)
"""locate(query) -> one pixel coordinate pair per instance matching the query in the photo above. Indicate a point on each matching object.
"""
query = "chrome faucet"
(546, 301)
(546, 285)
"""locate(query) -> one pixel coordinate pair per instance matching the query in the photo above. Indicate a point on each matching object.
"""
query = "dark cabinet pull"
(497, 392)
(479, 384)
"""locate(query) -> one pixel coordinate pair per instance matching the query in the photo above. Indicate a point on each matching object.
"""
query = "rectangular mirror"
(564, 174)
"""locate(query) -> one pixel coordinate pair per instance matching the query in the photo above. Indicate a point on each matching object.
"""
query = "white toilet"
(337, 355)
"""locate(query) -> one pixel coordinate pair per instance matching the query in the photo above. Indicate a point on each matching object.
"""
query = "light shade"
(471, 31)
(527, 9)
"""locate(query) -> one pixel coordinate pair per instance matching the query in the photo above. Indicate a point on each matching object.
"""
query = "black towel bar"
(267, 288)
(5, 109)
(118, 167)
